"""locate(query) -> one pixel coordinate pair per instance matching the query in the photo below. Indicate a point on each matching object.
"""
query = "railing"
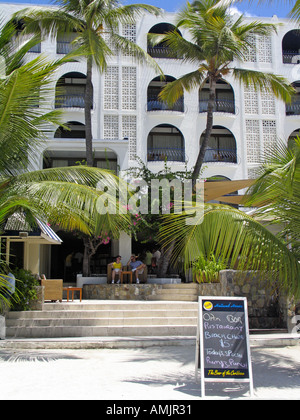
(162, 52)
(75, 100)
(293, 108)
(290, 57)
(220, 155)
(35, 49)
(172, 154)
(153, 104)
(63, 47)
(220, 105)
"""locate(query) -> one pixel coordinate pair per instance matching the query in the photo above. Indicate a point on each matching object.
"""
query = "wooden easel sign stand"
(222, 346)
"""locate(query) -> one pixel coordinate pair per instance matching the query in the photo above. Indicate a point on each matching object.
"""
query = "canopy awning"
(218, 190)
(19, 230)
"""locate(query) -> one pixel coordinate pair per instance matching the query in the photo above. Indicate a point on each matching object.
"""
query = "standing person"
(116, 268)
(136, 266)
(148, 259)
(155, 259)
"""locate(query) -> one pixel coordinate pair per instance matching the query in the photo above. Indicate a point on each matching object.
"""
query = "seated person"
(136, 266)
(116, 268)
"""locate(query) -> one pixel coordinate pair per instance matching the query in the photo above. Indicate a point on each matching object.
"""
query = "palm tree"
(245, 241)
(95, 23)
(65, 196)
(276, 192)
(218, 41)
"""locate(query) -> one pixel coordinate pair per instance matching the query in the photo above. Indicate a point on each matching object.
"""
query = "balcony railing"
(153, 104)
(293, 108)
(172, 154)
(75, 100)
(220, 155)
(221, 105)
(35, 49)
(162, 52)
(64, 47)
(291, 57)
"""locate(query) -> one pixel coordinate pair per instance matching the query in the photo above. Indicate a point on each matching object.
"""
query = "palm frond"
(270, 82)
(174, 90)
(238, 239)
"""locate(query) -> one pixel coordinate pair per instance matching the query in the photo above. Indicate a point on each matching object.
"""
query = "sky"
(265, 9)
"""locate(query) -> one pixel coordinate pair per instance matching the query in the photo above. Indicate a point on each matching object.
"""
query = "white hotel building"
(129, 121)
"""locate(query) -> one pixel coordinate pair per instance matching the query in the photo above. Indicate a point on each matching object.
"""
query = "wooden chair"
(142, 277)
(126, 278)
(109, 274)
(53, 289)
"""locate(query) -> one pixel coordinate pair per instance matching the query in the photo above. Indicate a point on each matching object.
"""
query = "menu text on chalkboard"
(223, 340)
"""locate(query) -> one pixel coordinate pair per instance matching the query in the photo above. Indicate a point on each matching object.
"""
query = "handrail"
(165, 153)
(220, 155)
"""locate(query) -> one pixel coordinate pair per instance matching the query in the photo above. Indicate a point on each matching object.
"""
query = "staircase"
(106, 319)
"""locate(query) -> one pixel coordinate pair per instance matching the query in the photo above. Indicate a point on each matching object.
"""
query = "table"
(126, 272)
(73, 289)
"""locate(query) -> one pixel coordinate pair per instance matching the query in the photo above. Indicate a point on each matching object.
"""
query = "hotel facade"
(128, 120)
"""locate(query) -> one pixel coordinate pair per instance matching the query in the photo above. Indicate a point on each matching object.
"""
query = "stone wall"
(120, 291)
(267, 308)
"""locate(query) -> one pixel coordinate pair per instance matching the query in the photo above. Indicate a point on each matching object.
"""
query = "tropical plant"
(146, 226)
(218, 42)
(276, 192)
(69, 196)
(94, 27)
(26, 290)
(242, 242)
(95, 23)
(206, 270)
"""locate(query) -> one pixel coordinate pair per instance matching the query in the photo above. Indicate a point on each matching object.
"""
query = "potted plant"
(206, 270)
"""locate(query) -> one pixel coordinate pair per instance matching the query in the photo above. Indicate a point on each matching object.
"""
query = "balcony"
(220, 105)
(291, 57)
(171, 154)
(293, 108)
(220, 155)
(64, 47)
(162, 52)
(153, 104)
(71, 100)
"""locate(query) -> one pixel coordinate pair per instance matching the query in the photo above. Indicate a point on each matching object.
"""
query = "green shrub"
(25, 290)
(206, 270)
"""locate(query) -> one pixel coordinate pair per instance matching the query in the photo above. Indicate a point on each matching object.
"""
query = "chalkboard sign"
(223, 351)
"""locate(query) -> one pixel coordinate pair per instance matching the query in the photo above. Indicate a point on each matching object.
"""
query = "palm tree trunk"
(164, 260)
(86, 258)
(209, 125)
(88, 101)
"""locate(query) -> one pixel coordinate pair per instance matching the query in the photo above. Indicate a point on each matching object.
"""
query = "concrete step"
(101, 314)
(174, 297)
(91, 322)
(101, 331)
(104, 319)
(112, 305)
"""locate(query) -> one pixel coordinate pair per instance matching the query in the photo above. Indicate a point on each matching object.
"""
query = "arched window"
(165, 142)
(161, 50)
(153, 101)
(224, 101)
(294, 107)
(291, 47)
(291, 139)
(76, 131)
(221, 146)
(64, 42)
(70, 91)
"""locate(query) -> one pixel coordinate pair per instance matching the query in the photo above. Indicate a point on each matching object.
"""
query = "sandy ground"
(154, 373)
